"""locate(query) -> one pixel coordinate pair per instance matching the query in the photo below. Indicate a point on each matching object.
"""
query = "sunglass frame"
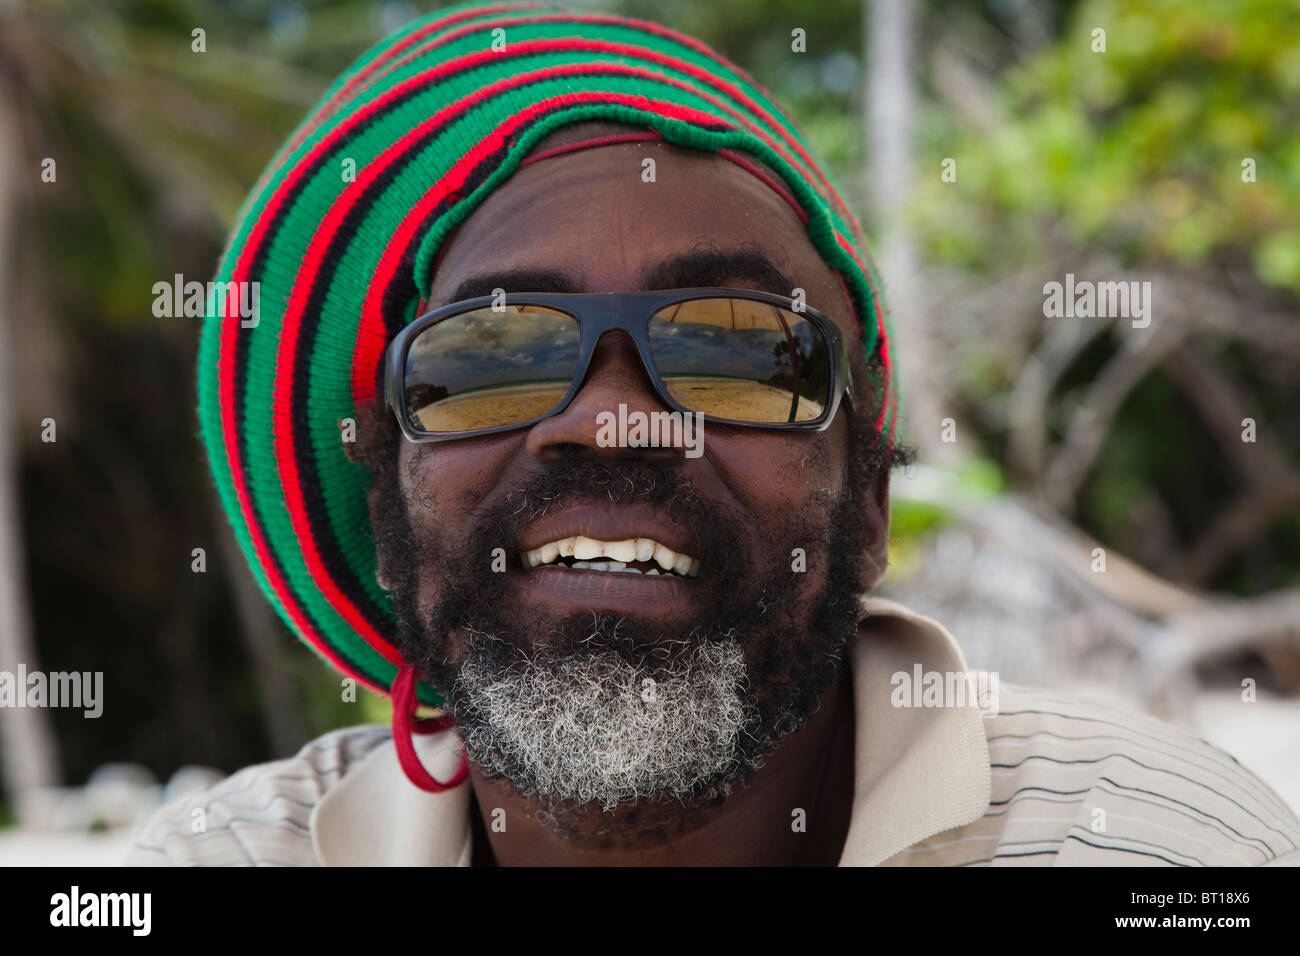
(597, 313)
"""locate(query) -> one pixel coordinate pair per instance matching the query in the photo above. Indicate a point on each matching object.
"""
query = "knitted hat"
(343, 228)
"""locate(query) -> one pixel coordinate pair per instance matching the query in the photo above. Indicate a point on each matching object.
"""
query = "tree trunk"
(30, 752)
(890, 102)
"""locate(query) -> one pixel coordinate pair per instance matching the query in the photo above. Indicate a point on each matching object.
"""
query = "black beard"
(793, 644)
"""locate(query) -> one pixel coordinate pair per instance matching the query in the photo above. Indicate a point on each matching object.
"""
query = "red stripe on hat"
(808, 166)
(229, 332)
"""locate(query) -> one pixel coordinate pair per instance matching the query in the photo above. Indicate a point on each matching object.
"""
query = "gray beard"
(600, 724)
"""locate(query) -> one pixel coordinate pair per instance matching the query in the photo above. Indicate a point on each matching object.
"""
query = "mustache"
(660, 484)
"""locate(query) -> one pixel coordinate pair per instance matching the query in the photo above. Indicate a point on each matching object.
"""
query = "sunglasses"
(497, 363)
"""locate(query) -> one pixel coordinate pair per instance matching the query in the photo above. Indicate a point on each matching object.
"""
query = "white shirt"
(1044, 781)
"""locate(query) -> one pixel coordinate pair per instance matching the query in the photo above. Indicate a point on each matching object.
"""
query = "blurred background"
(1097, 508)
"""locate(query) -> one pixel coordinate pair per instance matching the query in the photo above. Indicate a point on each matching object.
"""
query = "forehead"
(608, 218)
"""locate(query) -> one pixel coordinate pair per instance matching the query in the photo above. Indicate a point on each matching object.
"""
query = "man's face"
(585, 685)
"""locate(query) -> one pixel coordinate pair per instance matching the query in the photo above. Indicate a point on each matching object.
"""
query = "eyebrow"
(699, 268)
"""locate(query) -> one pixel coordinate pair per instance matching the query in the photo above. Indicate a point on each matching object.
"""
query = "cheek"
(442, 482)
(788, 485)
(442, 485)
(779, 476)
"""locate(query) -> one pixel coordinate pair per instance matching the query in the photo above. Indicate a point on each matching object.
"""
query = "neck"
(758, 825)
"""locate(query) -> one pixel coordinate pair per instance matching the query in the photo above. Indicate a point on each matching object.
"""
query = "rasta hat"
(341, 234)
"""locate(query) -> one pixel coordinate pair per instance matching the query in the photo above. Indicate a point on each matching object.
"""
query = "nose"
(615, 376)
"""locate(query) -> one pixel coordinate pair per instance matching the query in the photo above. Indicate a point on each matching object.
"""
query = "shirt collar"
(918, 770)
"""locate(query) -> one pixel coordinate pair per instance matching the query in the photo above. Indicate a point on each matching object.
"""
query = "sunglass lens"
(743, 360)
(490, 368)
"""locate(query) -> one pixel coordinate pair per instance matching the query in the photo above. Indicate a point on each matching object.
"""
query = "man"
(504, 251)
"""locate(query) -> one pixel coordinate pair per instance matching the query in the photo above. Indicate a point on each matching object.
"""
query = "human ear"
(875, 505)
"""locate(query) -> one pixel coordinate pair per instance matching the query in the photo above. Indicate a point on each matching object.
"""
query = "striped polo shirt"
(1020, 778)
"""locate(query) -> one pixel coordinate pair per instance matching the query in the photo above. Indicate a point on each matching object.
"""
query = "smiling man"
(649, 642)
(499, 228)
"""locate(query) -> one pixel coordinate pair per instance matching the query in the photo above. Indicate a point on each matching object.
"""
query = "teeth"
(621, 553)
(664, 557)
(603, 566)
(621, 550)
(584, 548)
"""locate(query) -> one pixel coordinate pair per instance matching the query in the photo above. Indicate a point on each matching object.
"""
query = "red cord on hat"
(405, 724)
(743, 162)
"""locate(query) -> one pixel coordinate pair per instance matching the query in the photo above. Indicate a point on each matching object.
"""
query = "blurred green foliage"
(1137, 150)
